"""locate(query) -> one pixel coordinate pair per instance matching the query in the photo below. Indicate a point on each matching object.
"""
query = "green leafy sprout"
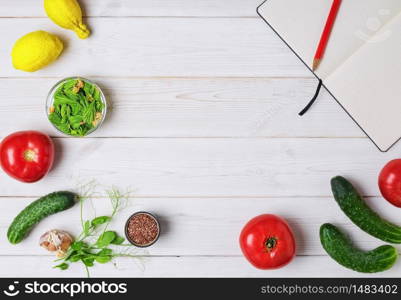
(96, 243)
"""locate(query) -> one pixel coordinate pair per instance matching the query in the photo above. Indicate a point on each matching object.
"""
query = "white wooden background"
(204, 130)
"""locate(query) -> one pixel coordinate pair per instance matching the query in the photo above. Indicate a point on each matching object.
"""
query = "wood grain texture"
(199, 226)
(211, 167)
(161, 8)
(203, 129)
(226, 47)
(306, 266)
(179, 107)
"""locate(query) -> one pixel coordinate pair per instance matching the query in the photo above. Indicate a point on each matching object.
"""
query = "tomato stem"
(30, 155)
(270, 243)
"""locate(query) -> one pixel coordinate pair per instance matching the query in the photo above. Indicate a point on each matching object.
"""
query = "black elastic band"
(313, 99)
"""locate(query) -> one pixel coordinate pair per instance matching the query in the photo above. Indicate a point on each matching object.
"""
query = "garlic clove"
(56, 241)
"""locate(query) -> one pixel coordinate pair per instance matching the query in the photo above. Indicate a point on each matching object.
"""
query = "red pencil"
(326, 34)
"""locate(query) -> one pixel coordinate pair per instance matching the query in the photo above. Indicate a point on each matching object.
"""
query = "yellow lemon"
(36, 50)
(67, 14)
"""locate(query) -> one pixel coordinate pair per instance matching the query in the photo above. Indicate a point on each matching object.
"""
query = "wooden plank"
(201, 226)
(306, 266)
(96, 8)
(211, 167)
(161, 47)
(179, 107)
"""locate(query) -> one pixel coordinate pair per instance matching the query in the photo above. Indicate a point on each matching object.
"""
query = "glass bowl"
(50, 100)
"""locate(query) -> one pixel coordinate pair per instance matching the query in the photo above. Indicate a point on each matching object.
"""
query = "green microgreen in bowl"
(77, 108)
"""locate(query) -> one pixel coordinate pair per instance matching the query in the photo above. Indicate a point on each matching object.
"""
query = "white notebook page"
(368, 85)
(362, 63)
(300, 23)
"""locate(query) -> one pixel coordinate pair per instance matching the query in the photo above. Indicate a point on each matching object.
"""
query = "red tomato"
(390, 182)
(267, 242)
(27, 155)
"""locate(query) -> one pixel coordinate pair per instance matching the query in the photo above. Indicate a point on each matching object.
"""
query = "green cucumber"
(361, 214)
(36, 211)
(340, 248)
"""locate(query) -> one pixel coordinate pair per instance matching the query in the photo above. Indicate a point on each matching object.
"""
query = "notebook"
(361, 67)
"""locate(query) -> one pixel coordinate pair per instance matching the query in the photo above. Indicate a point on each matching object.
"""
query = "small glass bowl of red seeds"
(142, 229)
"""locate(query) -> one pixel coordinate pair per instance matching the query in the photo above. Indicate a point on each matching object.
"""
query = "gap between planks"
(200, 197)
(141, 17)
(219, 137)
(164, 256)
(206, 78)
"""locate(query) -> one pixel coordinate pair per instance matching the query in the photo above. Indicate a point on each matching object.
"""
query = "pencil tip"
(316, 63)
